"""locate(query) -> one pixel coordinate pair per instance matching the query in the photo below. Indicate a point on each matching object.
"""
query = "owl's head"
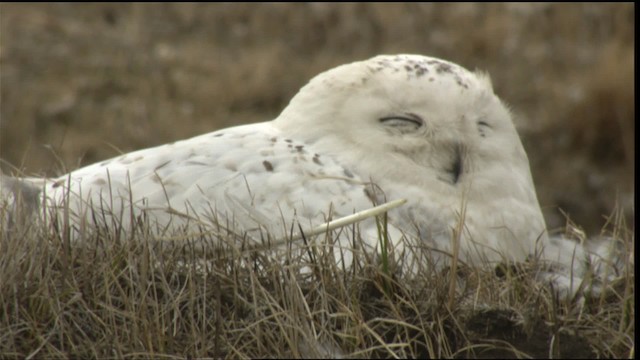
(418, 122)
(409, 110)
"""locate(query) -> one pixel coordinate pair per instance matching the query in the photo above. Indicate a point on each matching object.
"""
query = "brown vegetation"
(111, 297)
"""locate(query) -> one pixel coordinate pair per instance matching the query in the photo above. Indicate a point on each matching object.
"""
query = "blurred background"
(83, 82)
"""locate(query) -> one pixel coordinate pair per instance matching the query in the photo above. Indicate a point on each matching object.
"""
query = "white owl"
(392, 127)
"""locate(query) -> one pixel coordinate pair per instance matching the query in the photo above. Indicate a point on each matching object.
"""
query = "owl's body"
(250, 178)
(392, 127)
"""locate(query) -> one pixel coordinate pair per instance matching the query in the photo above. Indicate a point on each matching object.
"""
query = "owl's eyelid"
(412, 118)
(484, 123)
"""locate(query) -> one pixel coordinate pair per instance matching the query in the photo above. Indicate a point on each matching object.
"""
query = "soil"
(535, 342)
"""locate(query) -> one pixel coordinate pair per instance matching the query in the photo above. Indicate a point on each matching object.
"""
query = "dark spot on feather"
(99, 181)
(461, 83)
(162, 165)
(443, 68)
(267, 165)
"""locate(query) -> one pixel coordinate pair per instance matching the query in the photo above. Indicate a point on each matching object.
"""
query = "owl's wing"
(247, 179)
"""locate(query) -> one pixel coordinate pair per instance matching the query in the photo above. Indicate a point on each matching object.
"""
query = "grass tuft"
(112, 296)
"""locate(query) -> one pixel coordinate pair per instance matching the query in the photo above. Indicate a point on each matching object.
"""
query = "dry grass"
(130, 296)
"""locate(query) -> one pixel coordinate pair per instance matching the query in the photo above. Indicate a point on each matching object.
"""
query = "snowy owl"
(359, 135)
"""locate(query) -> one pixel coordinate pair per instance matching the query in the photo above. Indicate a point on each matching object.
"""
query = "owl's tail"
(588, 267)
(19, 200)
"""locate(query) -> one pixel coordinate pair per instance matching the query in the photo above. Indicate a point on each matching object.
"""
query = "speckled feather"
(252, 174)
